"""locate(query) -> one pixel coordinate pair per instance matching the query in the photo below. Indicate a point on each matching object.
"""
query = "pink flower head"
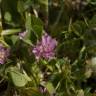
(22, 34)
(45, 48)
(4, 53)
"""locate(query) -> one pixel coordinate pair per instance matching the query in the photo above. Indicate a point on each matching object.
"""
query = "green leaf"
(38, 30)
(45, 2)
(17, 78)
(10, 31)
(36, 21)
(92, 22)
(93, 65)
(28, 25)
(20, 6)
(87, 91)
(3, 42)
(50, 87)
(80, 93)
(88, 73)
(7, 16)
(14, 39)
(30, 92)
(27, 41)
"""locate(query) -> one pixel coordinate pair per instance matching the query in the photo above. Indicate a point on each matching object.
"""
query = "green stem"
(59, 15)
(70, 22)
(36, 83)
(0, 20)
